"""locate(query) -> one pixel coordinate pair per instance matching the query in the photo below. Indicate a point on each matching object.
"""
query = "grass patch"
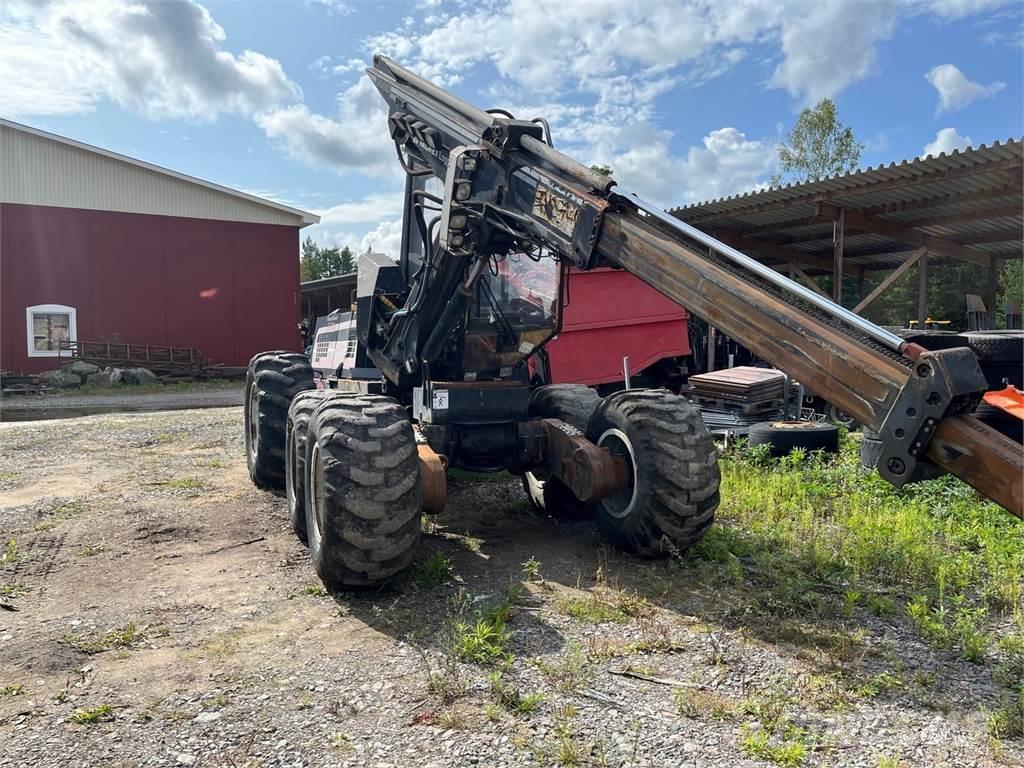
(811, 534)
(61, 511)
(92, 715)
(508, 696)
(570, 669)
(14, 689)
(184, 484)
(211, 464)
(789, 750)
(13, 589)
(12, 554)
(482, 643)
(698, 704)
(434, 571)
(124, 637)
(606, 604)
(315, 590)
(90, 550)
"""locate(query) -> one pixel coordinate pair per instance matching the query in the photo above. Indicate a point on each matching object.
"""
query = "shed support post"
(838, 235)
(991, 289)
(922, 292)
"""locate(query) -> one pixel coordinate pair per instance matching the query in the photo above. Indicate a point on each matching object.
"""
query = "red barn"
(94, 244)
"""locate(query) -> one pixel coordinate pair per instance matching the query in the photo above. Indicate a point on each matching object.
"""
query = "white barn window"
(48, 325)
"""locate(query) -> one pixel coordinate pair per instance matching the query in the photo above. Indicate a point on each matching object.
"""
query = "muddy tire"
(271, 382)
(671, 498)
(870, 449)
(299, 412)
(574, 404)
(362, 491)
(784, 436)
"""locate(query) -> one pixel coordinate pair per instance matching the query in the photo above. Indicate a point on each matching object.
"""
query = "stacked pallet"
(735, 398)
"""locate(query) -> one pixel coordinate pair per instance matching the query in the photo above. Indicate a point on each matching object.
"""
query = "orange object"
(1010, 400)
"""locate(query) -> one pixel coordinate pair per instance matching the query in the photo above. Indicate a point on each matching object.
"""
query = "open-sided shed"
(961, 207)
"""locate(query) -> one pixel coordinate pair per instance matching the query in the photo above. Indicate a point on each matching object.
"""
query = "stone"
(117, 377)
(99, 379)
(207, 717)
(82, 368)
(144, 376)
(61, 379)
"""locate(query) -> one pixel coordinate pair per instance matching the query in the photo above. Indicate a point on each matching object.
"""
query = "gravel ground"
(69, 404)
(166, 616)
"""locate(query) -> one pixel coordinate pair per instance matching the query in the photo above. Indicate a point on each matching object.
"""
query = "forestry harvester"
(449, 330)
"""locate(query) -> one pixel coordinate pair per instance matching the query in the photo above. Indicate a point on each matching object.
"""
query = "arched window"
(49, 325)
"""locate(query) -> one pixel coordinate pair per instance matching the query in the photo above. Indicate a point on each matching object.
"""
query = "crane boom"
(507, 188)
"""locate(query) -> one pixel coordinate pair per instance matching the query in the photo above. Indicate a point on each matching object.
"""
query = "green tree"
(819, 145)
(316, 263)
(604, 170)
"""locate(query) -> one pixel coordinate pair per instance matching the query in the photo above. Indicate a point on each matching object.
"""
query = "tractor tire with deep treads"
(672, 494)
(784, 436)
(362, 491)
(573, 404)
(997, 346)
(870, 449)
(272, 380)
(299, 412)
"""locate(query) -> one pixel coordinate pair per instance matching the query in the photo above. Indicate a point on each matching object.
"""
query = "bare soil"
(160, 612)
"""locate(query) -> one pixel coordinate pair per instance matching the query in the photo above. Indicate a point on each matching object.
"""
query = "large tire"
(363, 491)
(870, 449)
(997, 346)
(784, 436)
(672, 495)
(1001, 421)
(299, 412)
(272, 380)
(574, 404)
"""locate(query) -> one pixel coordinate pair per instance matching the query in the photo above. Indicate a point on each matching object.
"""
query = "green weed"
(12, 554)
(509, 697)
(483, 642)
(790, 750)
(436, 570)
(315, 590)
(184, 484)
(124, 637)
(14, 689)
(698, 704)
(91, 715)
(13, 589)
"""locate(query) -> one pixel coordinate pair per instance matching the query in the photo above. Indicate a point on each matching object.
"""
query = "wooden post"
(990, 290)
(860, 284)
(922, 292)
(809, 281)
(838, 234)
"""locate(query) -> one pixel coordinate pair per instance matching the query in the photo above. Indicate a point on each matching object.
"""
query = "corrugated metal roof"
(41, 168)
(973, 199)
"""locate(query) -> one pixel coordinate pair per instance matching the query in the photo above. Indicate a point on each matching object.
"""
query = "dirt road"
(159, 612)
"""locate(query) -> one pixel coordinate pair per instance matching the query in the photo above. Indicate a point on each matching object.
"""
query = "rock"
(99, 379)
(143, 376)
(185, 759)
(117, 376)
(207, 717)
(82, 368)
(60, 379)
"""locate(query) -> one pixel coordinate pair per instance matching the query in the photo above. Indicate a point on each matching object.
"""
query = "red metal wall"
(229, 288)
(609, 314)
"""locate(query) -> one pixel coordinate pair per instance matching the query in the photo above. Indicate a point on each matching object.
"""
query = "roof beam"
(934, 243)
(696, 216)
(940, 201)
(1005, 236)
(960, 218)
(781, 253)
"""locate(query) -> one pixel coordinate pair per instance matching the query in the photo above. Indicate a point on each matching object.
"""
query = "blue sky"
(686, 100)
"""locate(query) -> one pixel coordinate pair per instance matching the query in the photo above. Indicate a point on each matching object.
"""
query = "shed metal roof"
(966, 205)
(42, 168)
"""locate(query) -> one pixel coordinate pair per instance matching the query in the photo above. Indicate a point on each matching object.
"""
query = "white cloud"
(356, 141)
(333, 7)
(955, 90)
(161, 60)
(823, 52)
(947, 140)
(386, 238)
(370, 210)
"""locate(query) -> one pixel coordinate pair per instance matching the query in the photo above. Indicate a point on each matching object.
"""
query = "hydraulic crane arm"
(507, 188)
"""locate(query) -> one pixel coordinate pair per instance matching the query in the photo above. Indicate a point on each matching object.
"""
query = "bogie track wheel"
(362, 491)
(301, 409)
(272, 380)
(670, 499)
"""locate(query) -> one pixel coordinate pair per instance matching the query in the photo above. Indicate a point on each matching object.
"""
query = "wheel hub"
(254, 420)
(315, 494)
(622, 502)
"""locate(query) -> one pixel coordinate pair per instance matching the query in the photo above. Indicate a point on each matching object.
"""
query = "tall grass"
(816, 520)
